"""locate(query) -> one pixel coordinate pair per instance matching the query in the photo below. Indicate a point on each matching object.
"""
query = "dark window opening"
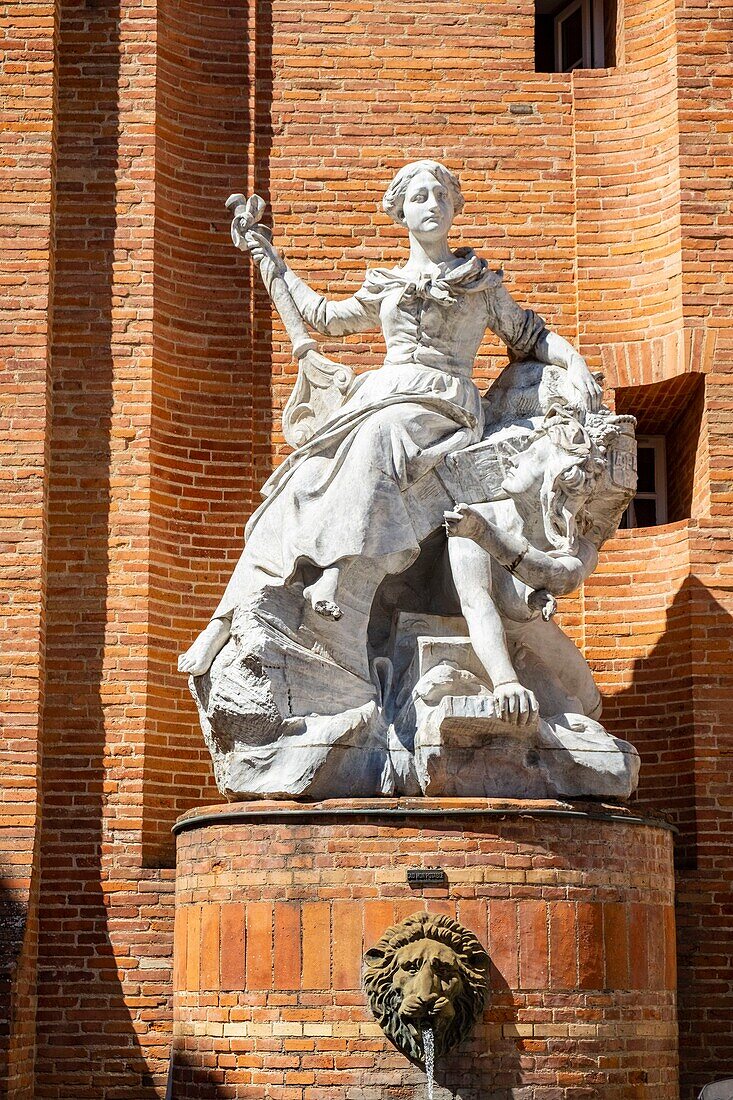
(669, 417)
(575, 34)
(649, 506)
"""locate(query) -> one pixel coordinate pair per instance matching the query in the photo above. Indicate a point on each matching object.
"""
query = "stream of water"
(428, 1042)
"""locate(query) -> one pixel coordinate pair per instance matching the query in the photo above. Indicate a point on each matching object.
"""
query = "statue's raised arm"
(322, 385)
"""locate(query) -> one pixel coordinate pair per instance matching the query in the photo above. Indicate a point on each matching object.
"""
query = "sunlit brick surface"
(273, 919)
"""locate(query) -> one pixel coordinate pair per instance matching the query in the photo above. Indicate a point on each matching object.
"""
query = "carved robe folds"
(391, 698)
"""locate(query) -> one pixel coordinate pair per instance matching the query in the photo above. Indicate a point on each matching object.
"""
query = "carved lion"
(428, 971)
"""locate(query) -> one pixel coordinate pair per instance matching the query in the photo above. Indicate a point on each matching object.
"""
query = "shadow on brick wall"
(87, 1046)
(16, 1009)
(198, 1081)
(677, 713)
(456, 1074)
(656, 713)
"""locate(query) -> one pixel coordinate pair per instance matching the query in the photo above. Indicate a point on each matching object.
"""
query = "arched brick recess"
(205, 422)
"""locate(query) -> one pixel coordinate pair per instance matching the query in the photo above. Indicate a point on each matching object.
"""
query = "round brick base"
(277, 902)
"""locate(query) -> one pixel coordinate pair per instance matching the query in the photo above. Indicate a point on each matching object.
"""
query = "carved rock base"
(462, 752)
(282, 720)
(277, 903)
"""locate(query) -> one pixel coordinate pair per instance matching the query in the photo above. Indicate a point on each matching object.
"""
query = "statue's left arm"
(527, 337)
(559, 574)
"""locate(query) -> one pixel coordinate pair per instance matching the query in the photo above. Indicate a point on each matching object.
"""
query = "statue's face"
(428, 207)
(428, 979)
(526, 469)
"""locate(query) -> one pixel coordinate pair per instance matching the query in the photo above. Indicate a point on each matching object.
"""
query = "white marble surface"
(409, 494)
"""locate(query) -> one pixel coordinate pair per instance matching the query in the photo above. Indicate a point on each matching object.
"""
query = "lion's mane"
(381, 965)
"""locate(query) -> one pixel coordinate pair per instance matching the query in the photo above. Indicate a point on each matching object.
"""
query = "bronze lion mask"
(428, 971)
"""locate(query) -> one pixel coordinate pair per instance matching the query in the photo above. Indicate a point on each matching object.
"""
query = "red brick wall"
(103, 965)
(604, 194)
(637, 629)
(705, 894)
(204, 378)
(658, 619)
(625, 144)
(576, 914)
(27, 155)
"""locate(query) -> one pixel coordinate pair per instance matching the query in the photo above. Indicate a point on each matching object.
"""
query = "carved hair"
(394, 198)
(569, 484)
(380, 966)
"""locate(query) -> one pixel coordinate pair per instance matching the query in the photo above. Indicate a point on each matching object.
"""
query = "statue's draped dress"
(340, 495)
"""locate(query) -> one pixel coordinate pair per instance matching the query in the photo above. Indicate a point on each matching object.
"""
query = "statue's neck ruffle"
(469, 277)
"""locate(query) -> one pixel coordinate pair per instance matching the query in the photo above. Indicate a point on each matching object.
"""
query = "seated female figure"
(338, 499)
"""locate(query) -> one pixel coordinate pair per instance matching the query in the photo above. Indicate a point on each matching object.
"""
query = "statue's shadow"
(487, 1066)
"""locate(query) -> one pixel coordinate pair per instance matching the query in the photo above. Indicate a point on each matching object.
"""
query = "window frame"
(589, 20)
(593, 34)
(658, 444)
(598, 33)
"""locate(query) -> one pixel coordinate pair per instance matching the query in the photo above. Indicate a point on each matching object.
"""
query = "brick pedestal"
(277, 902)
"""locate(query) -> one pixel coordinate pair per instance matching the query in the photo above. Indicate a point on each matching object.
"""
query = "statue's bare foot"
(328, 609)
(199, 658)
(321, 595)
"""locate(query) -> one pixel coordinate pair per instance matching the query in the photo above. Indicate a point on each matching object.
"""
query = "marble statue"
(426, 972)
(388, 627)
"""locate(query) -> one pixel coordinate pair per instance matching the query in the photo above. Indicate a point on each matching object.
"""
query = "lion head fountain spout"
(428, 973)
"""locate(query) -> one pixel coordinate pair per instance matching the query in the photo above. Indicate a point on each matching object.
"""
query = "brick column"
(27, 168)
(276, 904)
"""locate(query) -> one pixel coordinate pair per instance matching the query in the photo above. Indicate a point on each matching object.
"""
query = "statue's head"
(424, 196)
(428, 971)
(561, 463)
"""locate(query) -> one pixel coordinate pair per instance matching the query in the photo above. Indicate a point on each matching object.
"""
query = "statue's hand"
(583, 382)
(543, 601)
(265, 255)
(464, 522)
(515, 703)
